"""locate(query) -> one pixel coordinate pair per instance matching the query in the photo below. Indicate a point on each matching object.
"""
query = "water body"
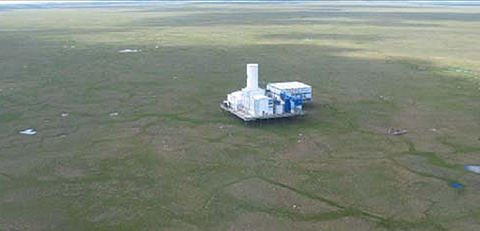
(472, 168)
(83, 4)
(456, 185)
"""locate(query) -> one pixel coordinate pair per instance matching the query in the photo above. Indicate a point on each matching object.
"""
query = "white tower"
(252, 76)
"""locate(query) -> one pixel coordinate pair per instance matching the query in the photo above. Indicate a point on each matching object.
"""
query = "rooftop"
(289, 85)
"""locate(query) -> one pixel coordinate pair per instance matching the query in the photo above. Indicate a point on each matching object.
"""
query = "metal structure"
(278, 100)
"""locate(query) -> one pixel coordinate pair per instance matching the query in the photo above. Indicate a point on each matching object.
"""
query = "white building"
(295, 89)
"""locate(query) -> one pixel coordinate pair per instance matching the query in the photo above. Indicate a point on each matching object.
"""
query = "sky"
(37, 2)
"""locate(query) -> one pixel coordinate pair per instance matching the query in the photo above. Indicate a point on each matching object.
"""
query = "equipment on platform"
(278, 100)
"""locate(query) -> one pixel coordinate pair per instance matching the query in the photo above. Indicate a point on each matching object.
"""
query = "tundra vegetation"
(130, 136)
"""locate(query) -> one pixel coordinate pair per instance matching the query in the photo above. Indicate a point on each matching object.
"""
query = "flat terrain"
(137, 141)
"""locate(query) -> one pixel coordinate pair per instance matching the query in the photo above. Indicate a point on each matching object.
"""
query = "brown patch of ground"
(258, 221)
(259, 193)
(306, 147)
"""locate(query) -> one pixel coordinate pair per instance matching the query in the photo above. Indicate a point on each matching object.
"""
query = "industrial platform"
(249, 118)
(278, 100)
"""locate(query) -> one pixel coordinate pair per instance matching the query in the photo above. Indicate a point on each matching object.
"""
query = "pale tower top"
(252, 76)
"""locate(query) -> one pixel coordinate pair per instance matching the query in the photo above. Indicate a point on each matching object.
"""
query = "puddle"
(128, 51)
(28, 132)
(472, 168)
(456, 185)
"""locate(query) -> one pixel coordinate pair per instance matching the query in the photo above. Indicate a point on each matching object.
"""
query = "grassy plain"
(145, 145)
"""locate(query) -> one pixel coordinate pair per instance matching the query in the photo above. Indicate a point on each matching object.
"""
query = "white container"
(235, 99)
(294, 89)
(248, 95)
(261, 105)
(279, 109)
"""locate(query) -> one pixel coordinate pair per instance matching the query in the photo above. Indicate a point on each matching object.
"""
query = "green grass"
(171, 157)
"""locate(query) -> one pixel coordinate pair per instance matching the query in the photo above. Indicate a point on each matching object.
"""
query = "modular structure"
(284, 99)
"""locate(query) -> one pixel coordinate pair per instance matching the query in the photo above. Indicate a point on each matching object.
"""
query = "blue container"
(298, 101)
(287, 105)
